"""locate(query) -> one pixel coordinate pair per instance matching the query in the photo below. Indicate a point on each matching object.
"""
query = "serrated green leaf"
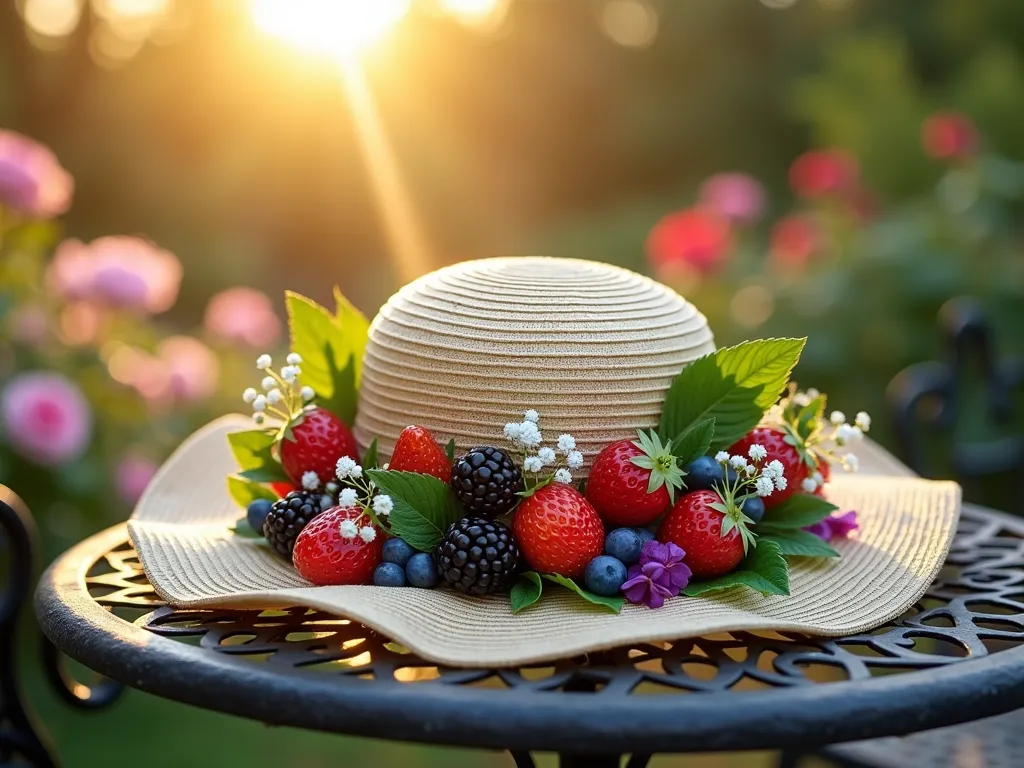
(611, 603)
(245, 492)
(354, 327)
(371, 459)
(798, 543)
(694, 442)
(253, 449)
(764, 570)
(243, 529)
(424, 506)
(526, 591)
(449, 450)
(344, 399)
(798, 511)
(735, 386)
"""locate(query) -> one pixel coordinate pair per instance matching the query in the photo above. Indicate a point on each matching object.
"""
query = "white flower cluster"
(348, 471)
(846, 433)
(814, 482)
(766, 480)
(526, 436)
(282, 396)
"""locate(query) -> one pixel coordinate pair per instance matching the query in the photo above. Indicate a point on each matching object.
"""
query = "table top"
(957, 655)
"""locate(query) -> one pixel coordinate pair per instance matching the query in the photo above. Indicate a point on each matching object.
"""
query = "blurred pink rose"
(118, 271)
(697, 238)
(734, 196)
(244, 316)
(32, 180)
(824, 172)
(949, 136)
(192, 368)
(45, 418)
(132, 475)
(794, 241)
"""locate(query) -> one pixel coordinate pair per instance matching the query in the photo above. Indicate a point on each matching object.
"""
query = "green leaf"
(764, 570)
(613, 604)
(809, 417)
(449, 450)
(370, 459)
(526, 591)
(798, 543)
(735, 386)
(327, 342)
(243, 529)
(245, 491)
(424, 506)
(694, 442)
(798, 511)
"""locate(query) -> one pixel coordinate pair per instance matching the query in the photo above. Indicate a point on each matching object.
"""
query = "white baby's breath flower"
(801, 399)
(546, 455)
(837, 418)
(269, 382)
(722, 457)
(512, 431)
(289, 373)
(529, 435)
(310, 480)
(818, 478)
(574, 459)
(563, 475)
(764, 486)
(326, 502)
(531, 415)
(348, 498)
(367, 533)
(533, 464)
(750, 470)
(851, 463)
(307, 394)
(812, 393)
(773, 469)
(260, 403)
(274, 396)
(566, 443)
(263, 362)
(737, 462)
(249, 395)
(781, 483)
(863, 421)
(846, 433)
(382, 504)
(331, 487)
(294, 358)
(258, 418)
(757, 452)
(349, 529)
(347, 467)
(808, 485)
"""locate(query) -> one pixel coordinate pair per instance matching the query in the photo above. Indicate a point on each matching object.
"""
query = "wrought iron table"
(956, 656)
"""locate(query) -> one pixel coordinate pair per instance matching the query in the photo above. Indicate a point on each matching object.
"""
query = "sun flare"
(336, 28)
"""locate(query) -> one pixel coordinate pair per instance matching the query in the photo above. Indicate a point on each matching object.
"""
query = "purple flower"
(734, 196)
(837, 526)
(32, 180)
(660, 574)
(46, 418)
(119, 271)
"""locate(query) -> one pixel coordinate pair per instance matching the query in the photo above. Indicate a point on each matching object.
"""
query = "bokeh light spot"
(52, 18)
(630, 23)
(751, 306)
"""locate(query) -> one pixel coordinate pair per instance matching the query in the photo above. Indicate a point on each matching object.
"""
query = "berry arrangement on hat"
(719, 494)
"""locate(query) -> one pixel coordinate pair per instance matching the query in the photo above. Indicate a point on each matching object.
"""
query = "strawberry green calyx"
(658, 458)
(730, 507)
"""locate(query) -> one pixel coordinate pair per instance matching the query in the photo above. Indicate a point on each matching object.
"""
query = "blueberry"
(388, 575)
(605, 575)
(644, 534)
(257, 513)
(623, 544)
(702, 474)
(421, 570)
(753, 508)
(397, 551)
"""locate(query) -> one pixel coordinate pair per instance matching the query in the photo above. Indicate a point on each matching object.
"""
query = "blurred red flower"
(823, 172)
(795, 240)
(949, 136)
(694, 238)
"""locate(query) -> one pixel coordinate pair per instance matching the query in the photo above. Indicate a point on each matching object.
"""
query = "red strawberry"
(695, 526)
(416, 451)
(323, 556)
(315, 445)
(558, 531)
(774, 441)
(633, 481)
(282, 488)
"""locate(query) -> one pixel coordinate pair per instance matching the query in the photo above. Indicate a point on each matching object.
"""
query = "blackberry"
(478, 556)
(486, 482)
(287, 518)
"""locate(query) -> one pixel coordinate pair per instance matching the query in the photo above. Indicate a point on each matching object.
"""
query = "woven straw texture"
(180, 529)
(468, 348)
